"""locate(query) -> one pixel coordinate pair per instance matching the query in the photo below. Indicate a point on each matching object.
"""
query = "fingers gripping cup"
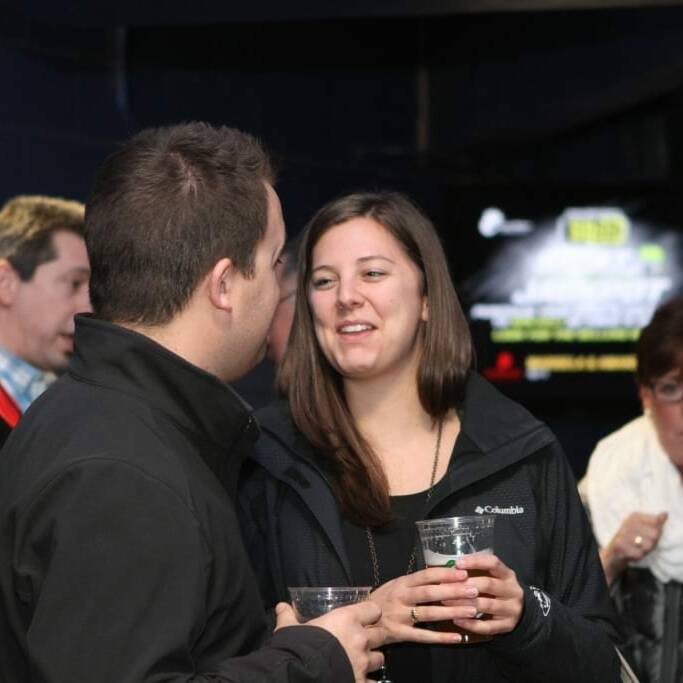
(310, 603)
(444, 541)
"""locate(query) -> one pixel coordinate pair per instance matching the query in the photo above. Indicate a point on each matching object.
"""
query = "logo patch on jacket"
(543, 600)
(495, 510)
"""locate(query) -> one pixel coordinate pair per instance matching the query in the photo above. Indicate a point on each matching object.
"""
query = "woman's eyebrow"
(375, 256)
(362, 259)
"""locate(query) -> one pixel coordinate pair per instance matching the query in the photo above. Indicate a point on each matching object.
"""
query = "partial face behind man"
(258, 295)
(278, 335)
(42, 308)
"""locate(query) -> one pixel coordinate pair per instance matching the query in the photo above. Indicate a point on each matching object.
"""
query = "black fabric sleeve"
(566, 632)
(115, 568)
(253, 500)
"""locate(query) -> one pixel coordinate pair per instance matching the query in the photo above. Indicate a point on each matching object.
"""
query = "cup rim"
(456, 522)
(328, 589)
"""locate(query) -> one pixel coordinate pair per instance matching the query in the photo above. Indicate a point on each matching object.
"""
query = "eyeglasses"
(667, 390)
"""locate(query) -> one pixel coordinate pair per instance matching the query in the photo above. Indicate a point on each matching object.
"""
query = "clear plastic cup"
(444, 541)
(310, 603)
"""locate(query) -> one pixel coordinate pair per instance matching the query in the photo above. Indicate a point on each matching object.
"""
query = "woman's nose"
(348, 295)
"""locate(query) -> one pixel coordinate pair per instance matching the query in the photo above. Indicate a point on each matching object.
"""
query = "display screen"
(559, 299)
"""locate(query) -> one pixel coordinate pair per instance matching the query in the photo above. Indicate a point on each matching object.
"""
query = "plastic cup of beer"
(444, 541)
(310, 603)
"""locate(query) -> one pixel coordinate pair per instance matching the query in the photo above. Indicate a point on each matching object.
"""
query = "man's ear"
(9, 283)
(221, 284)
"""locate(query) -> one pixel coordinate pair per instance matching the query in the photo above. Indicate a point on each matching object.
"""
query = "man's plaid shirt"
(23, 382)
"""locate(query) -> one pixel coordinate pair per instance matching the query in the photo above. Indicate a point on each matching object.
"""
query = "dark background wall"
(452, 102)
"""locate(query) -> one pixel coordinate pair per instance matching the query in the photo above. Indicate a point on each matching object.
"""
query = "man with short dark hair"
(120, 554)
(44, 274)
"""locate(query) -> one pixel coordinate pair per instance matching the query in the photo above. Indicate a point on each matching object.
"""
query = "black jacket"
(514, 468)
(120, 553)
(5, 431)
(8, 414)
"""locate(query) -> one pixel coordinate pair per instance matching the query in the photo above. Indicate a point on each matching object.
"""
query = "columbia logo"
(495, 510)
(543, 600)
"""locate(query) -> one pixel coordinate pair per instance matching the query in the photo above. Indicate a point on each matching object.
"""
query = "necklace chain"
(430, 491)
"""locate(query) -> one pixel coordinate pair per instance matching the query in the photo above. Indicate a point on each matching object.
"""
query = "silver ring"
(413, 614)
(638, 541)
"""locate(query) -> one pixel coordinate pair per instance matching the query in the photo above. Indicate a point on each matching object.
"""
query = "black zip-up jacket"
(509, 465)
(5, 431)
(120, 554)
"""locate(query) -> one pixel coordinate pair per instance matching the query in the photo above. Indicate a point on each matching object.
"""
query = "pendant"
(383, 674)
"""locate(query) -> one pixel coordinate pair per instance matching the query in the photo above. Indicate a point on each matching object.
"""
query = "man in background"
(44, 273)
(278, 336)
(258, 386)
(121, 559)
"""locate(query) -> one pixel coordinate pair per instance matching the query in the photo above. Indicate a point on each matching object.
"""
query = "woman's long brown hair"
(314, 389)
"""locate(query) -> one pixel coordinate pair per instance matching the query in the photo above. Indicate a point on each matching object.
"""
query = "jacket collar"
(288, 457)
(499, 432)
(491, 419)
(119, 359)
(495, 425)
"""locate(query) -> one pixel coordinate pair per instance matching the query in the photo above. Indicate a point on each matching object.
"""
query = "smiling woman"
(368, 302)
(386, 424)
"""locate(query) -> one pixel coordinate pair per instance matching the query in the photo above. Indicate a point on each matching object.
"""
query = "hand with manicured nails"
(417, 591)
(500, 596)
(354, 626)
(637, 537)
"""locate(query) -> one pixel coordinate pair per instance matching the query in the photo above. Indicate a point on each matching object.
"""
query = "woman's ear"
(425, 309)
(9, 283)
(220, 284)
(645, 397)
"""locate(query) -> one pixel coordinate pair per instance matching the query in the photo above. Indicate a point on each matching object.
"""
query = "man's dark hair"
(27, 226)
(165, 207)
(660, 345)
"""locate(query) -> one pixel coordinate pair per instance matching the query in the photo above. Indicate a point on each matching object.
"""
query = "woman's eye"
(374, 273)
(321, 282)
(669, 388)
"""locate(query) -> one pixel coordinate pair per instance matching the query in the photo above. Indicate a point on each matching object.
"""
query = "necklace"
(430, 491)
(411, 559)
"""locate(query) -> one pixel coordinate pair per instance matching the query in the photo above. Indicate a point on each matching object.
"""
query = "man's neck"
(171, 337)
(189, 336)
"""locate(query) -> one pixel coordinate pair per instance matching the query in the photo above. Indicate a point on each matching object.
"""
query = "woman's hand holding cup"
(500, 597)
(418, 599)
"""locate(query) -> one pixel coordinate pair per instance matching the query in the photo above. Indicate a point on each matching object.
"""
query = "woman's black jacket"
(512, 467)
